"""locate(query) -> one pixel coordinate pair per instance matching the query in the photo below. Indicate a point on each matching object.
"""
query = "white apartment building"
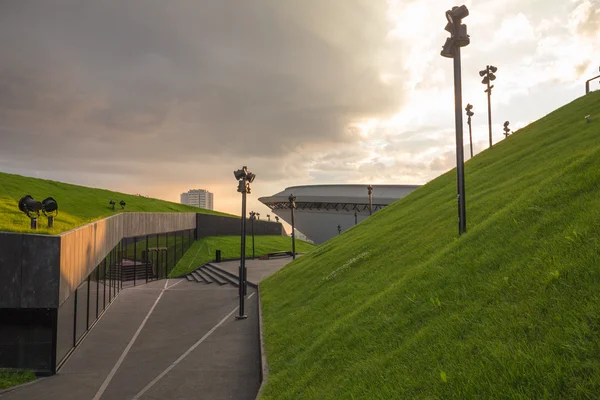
(198, 198)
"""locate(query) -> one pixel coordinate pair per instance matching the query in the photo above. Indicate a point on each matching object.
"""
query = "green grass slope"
(398, 307)
(203, 250)
(78, 205)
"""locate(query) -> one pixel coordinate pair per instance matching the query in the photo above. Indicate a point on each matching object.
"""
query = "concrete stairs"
(209, 274)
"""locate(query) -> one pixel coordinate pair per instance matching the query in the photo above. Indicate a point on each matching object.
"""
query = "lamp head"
(458, 13)
(482, 73)
(49, 207)
(292, 200)
(122, 203)
(240, 173)
(29, 206)
(448, 49)
(250, 177)
(493, 69)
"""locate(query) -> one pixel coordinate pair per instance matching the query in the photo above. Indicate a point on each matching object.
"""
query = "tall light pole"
(506, 129)
(252, 218)
(370, 191)
(292, 200)
(459, 38)
(488, 76)
(244, 178)
(469, 115)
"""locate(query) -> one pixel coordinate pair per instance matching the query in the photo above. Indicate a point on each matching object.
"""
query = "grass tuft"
(10, 378)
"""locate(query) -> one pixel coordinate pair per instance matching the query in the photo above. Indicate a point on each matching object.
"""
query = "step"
(189, 278)
(214, 277)
(225, 272)
(205, 277)
(220, 274)
(197, 277)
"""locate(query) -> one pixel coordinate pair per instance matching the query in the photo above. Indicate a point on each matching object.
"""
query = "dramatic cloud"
(156, 97)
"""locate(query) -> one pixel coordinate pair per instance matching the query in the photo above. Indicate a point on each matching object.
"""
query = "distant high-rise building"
(198, 198)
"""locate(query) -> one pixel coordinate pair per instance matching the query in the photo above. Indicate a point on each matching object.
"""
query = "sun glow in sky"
(151, 98)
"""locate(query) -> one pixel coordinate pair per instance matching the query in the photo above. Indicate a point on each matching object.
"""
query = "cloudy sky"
(157, 97)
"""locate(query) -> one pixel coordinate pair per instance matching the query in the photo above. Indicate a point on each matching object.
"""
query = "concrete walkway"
(257, 269)
(164, 340)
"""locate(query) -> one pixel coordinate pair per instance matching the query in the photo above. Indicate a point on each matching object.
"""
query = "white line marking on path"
(131, 342)
(250, 296)
(184, 355)
(174, 284)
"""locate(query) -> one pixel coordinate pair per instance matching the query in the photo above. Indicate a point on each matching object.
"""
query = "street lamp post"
(488, 75)
(292, 200)
(451, 49)
(252, 218)
(506, 129)
(470, 113)
(370, 191)
(244, 178)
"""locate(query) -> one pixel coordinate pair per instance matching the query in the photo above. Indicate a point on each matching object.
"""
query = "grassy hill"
(78, 205)
(398, 307)
(203, 250)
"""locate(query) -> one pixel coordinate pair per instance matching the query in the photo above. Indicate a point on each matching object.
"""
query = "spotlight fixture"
(122, 203)
(112, 203)
(451, 49)
(588, 119)
(252, 218)
(276, 219)
(31, 208)
(506, 129)
(50, 210)
(258, 216)
(339, 229)
(268, 218)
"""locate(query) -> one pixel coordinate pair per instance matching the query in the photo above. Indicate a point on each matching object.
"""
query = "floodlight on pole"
(451, 49)
(268, 218)
(244, 178)
(470, 113)
(292, 202)
(276, 219)
(488, 75)
(31, 208)
(370, 192)
(50, 210)
(506, 129)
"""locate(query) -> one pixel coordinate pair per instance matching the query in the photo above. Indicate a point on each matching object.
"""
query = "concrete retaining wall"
(216, 225)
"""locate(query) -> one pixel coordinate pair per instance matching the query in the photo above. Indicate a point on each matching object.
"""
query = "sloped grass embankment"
(78, 205)
(399, 307)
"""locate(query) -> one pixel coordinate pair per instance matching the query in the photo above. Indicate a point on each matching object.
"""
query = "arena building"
(320, 209)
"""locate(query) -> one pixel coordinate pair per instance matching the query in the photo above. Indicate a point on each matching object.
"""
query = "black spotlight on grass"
(31, 208)
(506, 129)
(112, 203)
(244, 178)
(276, 219)
(458, 38)
(588, 118)
(50, 210)
(123, 204)
(292, 200)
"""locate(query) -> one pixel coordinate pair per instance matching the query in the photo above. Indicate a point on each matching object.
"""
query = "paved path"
(162, 342)
(257, 269)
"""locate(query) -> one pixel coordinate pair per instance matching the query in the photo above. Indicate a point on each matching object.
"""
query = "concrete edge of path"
(264, 365)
